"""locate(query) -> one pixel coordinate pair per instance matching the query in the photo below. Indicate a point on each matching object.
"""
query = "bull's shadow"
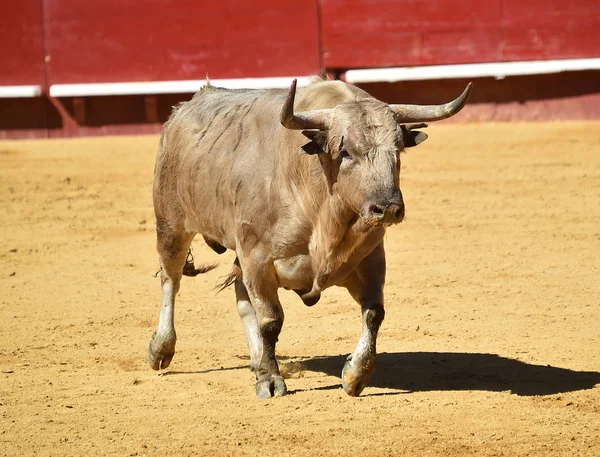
(428, 371)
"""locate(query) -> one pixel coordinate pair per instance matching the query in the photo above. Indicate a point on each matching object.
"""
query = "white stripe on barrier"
(498, 70)
(20, 91)
(169, 87)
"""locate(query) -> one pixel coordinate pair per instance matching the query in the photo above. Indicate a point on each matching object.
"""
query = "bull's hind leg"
(366, 287)
(172, 246)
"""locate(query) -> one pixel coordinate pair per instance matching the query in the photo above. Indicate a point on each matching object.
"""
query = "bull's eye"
(345, 155)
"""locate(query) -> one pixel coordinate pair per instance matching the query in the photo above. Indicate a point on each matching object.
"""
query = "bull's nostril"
(376, 210)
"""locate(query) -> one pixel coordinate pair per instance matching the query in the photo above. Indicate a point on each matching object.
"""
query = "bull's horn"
(308, 120)
(424, 113)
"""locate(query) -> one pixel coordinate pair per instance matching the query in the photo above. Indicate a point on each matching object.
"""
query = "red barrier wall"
(551, 29)
(22, 63)
(21, 43)
(45, 42)
(153, 40)
(388, 33)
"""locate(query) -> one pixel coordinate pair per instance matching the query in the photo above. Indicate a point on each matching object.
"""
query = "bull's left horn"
(308, 120)
(424, 113)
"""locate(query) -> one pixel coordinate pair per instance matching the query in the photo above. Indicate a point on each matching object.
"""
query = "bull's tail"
(231, 278)
(189, 269)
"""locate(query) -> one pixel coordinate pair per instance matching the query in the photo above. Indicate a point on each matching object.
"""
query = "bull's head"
(359, 143)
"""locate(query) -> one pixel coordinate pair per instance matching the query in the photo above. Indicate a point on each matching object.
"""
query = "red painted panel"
(134, 40)
(551, 29)
(376, 33)
(415, 49)
(367, 50)
(551, 43)
(21, 43)
(551, 13)
(379, 33)
(347, 17)
(473, 46)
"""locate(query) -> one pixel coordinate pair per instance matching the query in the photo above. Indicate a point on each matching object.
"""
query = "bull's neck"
(334, 239)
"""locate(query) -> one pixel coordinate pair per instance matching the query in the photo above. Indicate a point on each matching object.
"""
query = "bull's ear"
(318, 143)
(412, 137)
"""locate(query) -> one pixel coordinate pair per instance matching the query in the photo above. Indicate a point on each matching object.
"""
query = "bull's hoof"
(161, 352)
(355, 379)
(273, 386)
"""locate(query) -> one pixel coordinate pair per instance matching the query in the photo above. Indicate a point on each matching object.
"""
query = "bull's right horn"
(307, 120)
(425, 113)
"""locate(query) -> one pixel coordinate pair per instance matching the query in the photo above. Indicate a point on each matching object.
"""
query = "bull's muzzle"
(390, 213)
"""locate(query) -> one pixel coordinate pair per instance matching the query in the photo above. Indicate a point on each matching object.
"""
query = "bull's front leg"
(361, 363)
(269, 315)
(366, 287)
(248, 316)
(260, 281)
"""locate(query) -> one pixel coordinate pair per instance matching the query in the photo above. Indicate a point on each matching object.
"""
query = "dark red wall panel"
(381, 33)
(550, 13)
(469, 46)
(133, 40)
(551, 43)
(359, 50)
(551, 29)
(365, 17)
(413, 32)
(21, 43)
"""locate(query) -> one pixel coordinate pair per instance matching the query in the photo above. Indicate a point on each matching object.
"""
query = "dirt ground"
(491, 343)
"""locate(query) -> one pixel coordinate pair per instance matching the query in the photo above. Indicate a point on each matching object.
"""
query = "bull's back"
(211, 147)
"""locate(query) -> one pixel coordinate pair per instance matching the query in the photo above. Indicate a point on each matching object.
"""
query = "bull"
(301, 185)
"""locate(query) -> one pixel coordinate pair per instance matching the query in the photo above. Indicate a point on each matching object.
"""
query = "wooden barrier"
(165, 40)
(389, 33)
(21, 45)
(67, 62)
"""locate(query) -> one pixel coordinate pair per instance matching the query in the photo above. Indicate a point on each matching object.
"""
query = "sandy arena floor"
(491, 343)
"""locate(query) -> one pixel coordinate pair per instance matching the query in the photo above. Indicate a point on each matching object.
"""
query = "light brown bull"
(302, 198)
